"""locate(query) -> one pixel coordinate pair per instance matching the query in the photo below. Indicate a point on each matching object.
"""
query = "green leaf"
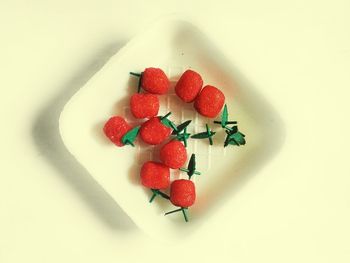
(233, 142)
(130, 136)
(238, 138)
(173, 126)
(192, 165)
(181, 127)
(166, 115)
(232, 130)
(201, 135)
(231, 122)
(224, 117)
(234, 137)
(183, 136)
(227, 140)
(168, 122)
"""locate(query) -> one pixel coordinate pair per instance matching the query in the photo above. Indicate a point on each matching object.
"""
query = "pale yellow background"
(297, 209)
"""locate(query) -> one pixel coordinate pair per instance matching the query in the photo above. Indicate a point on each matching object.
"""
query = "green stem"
(184, 213)
(185, 142)
(158, 192)
(166, 115)
(174, 211)
(130, 143)
(187, 171)
(185, 137)
(173, 126)
(152, 198)
(209, 134)
(135, 74)
(139, 84)
(163, 195)
(227, 139)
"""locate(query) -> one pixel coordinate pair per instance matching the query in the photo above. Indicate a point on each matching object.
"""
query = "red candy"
(144, 105)
(173, 154)
(154, 131)
(115, 128)
(182, 193)
(209, 101)
(189, 85)
(155, 81)
(155, 175)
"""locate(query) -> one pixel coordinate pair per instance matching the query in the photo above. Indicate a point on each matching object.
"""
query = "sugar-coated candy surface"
(154, 131)
(144, 105)
(155, 81)
(155, 175)
(182, 193)
(173, 154)
(210, 101)
(115, 128)
(188, 86)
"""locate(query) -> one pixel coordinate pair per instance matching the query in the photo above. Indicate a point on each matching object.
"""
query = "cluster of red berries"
(208, 101)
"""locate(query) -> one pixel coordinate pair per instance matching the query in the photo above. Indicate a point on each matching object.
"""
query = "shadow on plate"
(47, 137)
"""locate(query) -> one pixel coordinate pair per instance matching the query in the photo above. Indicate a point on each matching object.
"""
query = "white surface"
(295, 210)
(174, 45)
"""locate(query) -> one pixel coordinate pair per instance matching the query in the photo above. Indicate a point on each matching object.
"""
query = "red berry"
(209, 101)
(173, 154)
(144, 105)
(182, 193)
(155, 175)
(115, 128)
(154, 131)
(189, 85)
(155, 81)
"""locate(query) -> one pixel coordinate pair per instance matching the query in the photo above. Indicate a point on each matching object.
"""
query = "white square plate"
(173, 45)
